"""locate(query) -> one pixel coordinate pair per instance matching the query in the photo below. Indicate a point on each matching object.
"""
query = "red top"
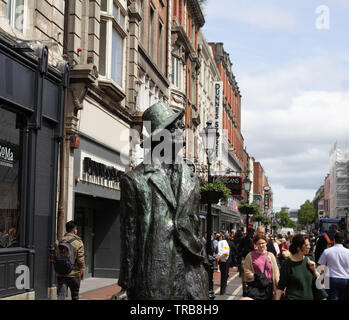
(258, 262)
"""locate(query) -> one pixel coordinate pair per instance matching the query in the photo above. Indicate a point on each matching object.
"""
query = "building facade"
(185, 67)
(229, 118)
(98, 119)
(33, 86)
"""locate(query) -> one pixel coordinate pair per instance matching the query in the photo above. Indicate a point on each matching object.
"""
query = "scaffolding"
(339, 181)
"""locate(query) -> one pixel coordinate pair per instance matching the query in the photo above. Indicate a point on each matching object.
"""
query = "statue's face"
(168, 143)
(177, 132)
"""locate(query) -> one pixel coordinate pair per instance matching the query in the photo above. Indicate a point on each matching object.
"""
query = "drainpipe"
(60, 213)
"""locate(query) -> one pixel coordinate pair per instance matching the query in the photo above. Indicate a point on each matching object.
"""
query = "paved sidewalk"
(98, 288)
(103, 289)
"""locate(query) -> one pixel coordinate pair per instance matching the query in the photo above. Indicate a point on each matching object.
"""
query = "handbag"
(261, 288)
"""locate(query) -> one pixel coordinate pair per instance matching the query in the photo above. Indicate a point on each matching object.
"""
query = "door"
(107, 240)
(84, 218)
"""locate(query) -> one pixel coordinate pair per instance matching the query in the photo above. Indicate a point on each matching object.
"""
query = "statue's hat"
(161, 116)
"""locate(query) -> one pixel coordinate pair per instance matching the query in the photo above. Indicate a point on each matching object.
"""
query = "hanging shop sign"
(218, 89)
(232, 205)
(234, 184)
(266, 202)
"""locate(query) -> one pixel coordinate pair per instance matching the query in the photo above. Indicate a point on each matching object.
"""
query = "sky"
(291, 62)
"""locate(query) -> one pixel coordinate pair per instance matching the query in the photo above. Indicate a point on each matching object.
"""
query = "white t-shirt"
(223, 250)
(277, 249)
(336, 259)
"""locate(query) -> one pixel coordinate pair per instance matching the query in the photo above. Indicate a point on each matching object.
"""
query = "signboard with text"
(233, 183)
(218, 105)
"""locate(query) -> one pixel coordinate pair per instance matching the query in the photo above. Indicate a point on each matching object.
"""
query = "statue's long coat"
(162, 254)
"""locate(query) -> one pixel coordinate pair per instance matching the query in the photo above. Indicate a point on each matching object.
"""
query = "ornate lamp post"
(209, 135)
(247, 187)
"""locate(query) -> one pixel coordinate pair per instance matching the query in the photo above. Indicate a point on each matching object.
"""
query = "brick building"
(232, 140)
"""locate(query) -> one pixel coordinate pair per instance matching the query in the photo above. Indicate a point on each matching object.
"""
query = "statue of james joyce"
(162, 254)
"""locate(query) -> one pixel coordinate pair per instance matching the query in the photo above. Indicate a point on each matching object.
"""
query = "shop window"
(10, 179)
(112, 41)
(16, 13)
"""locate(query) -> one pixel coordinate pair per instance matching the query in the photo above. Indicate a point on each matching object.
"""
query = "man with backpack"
(325, 241)
(69, 262)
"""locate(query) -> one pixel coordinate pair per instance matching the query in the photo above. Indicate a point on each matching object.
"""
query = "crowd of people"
(284, 266)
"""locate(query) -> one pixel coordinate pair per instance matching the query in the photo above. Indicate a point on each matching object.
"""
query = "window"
(161, 46)
(151, 31)
(142, 24)
(10, 173)
(16, 13)
(112, 41)
(175, 66)
(116, 60)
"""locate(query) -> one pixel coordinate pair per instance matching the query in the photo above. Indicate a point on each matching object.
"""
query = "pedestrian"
(223, 261)
(204, 237)
(336, 259)
(346, 243)
(259, 262)
(245, 247)
(237, 240)
(270, 243)
(298, 273)
(233, 251)
(72, 280)
(284, 251)
(325, 241)
(215, 239)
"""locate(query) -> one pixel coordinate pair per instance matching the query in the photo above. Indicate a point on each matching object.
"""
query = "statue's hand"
(122, 295)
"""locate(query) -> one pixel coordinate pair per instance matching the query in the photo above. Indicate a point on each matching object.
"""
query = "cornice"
(196, 12)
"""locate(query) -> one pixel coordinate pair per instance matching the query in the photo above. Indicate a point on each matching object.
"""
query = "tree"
(307, 213)
(284, 219)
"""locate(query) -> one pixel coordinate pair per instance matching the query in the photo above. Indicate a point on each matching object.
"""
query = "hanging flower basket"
(213, 192)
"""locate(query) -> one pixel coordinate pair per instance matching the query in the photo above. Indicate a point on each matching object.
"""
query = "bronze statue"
(162, 254)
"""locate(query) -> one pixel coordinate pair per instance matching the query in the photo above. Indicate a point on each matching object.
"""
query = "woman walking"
(260, 264)
(298, 273)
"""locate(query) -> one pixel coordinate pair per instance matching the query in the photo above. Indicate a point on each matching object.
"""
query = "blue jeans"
(337, 287)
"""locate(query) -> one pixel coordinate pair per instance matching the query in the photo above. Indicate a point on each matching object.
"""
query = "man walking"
(72, 279)
(223, 260)
(336, 259)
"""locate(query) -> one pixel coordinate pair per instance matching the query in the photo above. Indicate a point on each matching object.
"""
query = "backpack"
(328, 240)
(63, 259)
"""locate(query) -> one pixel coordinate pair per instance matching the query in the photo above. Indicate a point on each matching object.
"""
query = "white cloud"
(293, 143)
(260, 15)
(291, 198)
(291, 129)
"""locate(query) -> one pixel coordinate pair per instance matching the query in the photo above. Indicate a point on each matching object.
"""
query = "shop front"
(98, 171)
(31, 123)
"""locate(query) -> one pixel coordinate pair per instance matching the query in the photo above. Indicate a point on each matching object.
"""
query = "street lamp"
(209, 136)
(247, 187)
